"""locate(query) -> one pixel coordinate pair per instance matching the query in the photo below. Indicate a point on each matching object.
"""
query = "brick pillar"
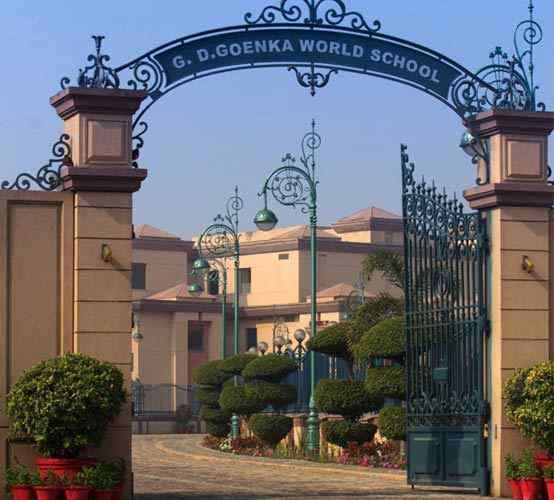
(517, 202)
(102, 179)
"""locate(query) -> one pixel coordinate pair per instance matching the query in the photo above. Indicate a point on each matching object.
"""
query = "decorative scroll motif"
(293, 185)
(313, 13)
(147, 75)
(48, 176)
(511, 79)
(445, 254)
(221, 239)
(138, 142)
(97, 75)
(313, 79)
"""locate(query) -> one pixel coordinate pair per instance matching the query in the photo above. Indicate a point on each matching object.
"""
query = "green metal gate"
(446, 326)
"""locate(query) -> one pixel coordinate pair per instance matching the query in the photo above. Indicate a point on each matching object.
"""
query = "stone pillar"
(98, 122)
(517, 203)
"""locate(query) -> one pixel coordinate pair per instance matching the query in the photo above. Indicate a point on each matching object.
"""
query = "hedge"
(235, 364)
(344, 397)
(386, 382)
(271, 429)
(342, 432)
(392, 423)
(236, 400)
(208, 396)
(333, 341)
(276, 395)
(209, 373)
(271, 368)
(220, 430)
(215, 415)
(373, 311)
(387, 339)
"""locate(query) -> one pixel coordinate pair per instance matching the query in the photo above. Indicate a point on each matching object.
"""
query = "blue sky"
(234, 128)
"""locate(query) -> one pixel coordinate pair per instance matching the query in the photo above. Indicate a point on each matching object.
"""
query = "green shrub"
(219, 430)
(527, 465)
(18, 475)
(335, 340)
(66, 403)
(512, 467)
(215, 415)
(344, 397)
(532, 411)
(373, 311)
(271, 368)
(392, 423)
(386, 382)
(183, 414)
(387, 339)
(208, 396)
(271, 429)
(237, 400)
(277, 395)
(235, 364)
(210, 373)
(342, 432)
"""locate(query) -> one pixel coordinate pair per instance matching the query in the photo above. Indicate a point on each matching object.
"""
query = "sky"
(233, 129)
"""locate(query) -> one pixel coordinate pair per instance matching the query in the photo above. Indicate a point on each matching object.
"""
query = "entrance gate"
(446, 324)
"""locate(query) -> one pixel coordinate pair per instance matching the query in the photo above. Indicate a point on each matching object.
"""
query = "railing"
(163, 400)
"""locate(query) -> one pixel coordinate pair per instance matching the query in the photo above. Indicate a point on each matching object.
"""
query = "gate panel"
(445, 257)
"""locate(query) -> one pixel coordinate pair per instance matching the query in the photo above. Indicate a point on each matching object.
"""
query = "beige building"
(174, 332)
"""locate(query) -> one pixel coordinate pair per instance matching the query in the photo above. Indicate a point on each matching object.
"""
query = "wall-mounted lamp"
(106, 252)
(527, 264)
(478, 149)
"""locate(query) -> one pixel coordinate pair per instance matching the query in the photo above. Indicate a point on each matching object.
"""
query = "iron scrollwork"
(48, 176)
(313, 79)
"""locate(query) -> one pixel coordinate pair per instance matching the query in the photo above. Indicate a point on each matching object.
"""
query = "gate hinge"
(486, 431)
(487, 327)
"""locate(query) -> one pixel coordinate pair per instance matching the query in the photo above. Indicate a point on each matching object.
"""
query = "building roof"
(148, 231)
(180, 292)
(340, 290)
(368, 214)
(369, 218)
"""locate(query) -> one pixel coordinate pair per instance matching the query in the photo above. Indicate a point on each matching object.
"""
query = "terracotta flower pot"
(48, 492)
(516, 489)
(77, 493)
(63, 467)
(550, 488)
(23, 493)
(532, 488)
(104, 495)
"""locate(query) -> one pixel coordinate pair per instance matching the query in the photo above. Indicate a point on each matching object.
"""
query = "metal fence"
(163, 400)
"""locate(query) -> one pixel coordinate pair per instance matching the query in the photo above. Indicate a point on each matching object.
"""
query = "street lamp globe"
(279, 342)
(471, 145)
(262, 347)
(300, 335)
(252, 350)
(265, 219)
(201, 265)
(195, 289)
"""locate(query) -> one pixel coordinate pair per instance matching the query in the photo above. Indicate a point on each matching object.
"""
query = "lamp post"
(355, 298)
(219, 241)
(296, 186)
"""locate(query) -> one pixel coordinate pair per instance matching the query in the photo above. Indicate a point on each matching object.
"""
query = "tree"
(390, 264)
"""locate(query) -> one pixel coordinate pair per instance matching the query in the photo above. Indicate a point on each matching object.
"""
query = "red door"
(198, 345)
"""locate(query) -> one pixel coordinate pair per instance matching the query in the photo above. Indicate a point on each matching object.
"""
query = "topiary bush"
(344, 397)
(235, 399)
(387, 339)
(386, 382)
(208, 396)
(335, 340)
(235, 364)
(210, 373)
(270, 368)
(215, 415)
(392, 423)
(66, 403)
(276, 395)
(270, 429)
(342, 432)
(373, 311)
(530, 403)
(219, 430)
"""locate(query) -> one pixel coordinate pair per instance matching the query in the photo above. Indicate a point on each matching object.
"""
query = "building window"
(251, 338)
(389, 237)
(139, 276)
(213, 283)
(196, 337)
(245, 280)
(283, 256)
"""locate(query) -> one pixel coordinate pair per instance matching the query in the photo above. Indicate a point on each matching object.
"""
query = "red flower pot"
(104, 495)
(532, 488)
(118, 492)
(550, 488)
(63, 467)
(48, 492)
(23, 493)
(516, 489)
(542, 459)
(77, 493)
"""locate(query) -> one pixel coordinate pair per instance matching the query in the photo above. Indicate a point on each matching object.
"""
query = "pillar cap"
(510, 194)
(73, 100)
(507, 121)
(103, 179)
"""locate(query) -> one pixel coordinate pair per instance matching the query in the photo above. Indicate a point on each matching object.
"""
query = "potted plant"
(64, 405)
(48, 487)
(117, 469)
(548, 474)
(80, 486)
(513, 475)
(531, 482)
(104, 482)
(19, 482)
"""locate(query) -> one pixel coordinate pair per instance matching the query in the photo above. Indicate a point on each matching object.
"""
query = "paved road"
(178, 468)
